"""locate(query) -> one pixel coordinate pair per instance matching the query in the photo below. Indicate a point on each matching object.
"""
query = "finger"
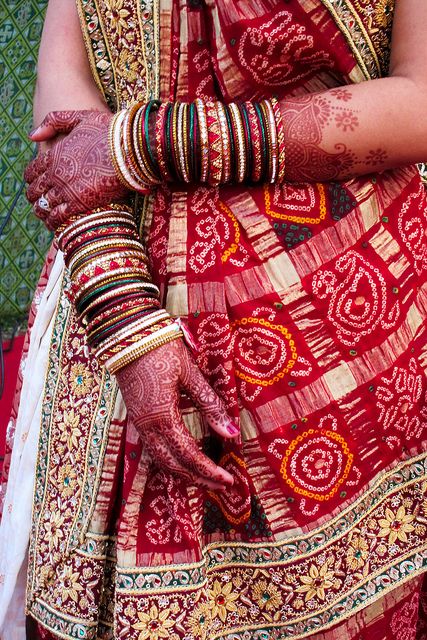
(37, 167)
(187, 452)
(37, 188)
(57, 122)
(58, 215)
(208, 402)
(208, 484)
(53, 218)
(55, 197)
(165, 458)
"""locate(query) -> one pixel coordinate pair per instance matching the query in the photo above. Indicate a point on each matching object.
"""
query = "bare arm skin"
(64, 78)
(367, 127)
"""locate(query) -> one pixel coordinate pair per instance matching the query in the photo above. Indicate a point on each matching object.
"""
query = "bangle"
(280, 139)
(161, 141)
(225, 140)
(180, 137)
(272, 132)
(239, 142)
(204, 141)
(215, 144)
(144, 346)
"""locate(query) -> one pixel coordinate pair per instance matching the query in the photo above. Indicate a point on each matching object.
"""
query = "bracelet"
(202, 141)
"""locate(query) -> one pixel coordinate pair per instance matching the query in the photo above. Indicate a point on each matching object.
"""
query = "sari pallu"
(308, 305)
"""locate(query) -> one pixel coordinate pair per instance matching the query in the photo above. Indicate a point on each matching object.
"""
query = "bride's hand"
(151, 389)
(76, 174)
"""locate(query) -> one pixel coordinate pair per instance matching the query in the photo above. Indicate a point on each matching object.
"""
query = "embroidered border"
(361, 38)
(276, 582)
(116, 62)
(79, 402)
(98, 50)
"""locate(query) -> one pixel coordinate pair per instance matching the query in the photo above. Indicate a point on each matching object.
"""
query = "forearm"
(64, 79)
(354, 130)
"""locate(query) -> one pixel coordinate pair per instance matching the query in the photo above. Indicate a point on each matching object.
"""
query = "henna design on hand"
(310, 156)
(347, 121)
(306, 118)
(376, 158)
(78, 168)
(341, 94)
(151, 389)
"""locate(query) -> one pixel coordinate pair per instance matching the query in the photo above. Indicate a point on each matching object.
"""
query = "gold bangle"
(215, 145)
(139, 352)
(131, 245)
(280, 139)
(240, 139)
(106, 259)
(225, 139)
(182, 133)
(204, 140)
(113, 343)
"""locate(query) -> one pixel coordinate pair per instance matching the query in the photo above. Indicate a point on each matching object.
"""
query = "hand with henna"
(76, 174)
(151, 389)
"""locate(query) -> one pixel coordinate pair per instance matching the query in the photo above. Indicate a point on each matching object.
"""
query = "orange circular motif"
(264, 352)
(316, 464)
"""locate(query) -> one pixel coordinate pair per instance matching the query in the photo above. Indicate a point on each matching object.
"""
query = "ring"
(43, 203)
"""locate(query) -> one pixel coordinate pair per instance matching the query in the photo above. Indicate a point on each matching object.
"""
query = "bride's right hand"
(151, 389)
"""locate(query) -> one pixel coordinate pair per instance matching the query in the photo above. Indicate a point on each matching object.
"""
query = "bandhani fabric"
(24, 241)
(308, 304)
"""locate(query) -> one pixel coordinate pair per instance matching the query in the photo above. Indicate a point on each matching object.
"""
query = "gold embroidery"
(366, 25)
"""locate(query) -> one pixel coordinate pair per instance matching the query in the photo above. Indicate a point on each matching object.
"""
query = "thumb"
(57, 122)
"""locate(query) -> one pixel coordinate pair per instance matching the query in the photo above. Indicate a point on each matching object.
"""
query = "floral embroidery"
(223, 600)
(53, 530)
(70, 429)
(67, 478)
(199, 620)
(317, 582)
(116, 14)
(154, 625)
(357, 553)
(81, 380)
(384, 12)
(69, 584)
(267, 596)
(396, 526)
(127, 66)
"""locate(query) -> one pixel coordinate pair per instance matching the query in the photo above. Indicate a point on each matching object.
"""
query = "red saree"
(308, 303)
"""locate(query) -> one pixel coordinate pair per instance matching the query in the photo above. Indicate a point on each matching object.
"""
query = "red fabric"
(11, 366)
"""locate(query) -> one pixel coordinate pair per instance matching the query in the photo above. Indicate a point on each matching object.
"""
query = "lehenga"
(308, 304)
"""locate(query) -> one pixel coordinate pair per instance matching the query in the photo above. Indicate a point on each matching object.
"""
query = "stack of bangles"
(112, 291)
(203, 142)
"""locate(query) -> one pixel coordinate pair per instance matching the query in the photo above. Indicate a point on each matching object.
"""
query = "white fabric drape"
(16, 522)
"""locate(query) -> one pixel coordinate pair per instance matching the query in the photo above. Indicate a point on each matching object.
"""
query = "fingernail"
(33, 131)
(231, 428)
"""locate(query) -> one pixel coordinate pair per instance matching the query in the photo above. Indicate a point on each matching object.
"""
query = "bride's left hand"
(76, 174)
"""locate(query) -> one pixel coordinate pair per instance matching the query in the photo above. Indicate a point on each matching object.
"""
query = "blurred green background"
(24, 241)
